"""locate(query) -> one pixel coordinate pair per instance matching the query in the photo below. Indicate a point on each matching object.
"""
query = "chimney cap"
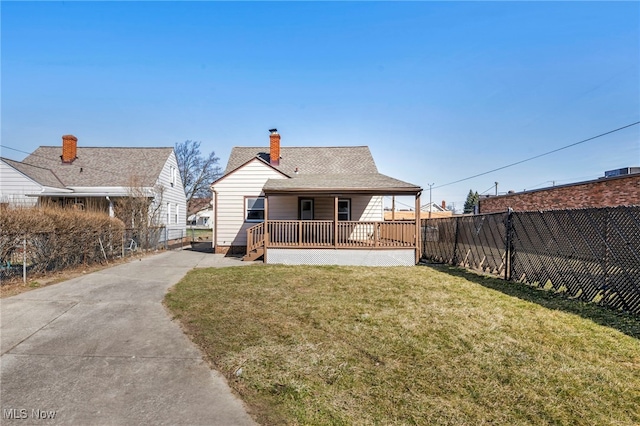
(273, 130)
(69, 137)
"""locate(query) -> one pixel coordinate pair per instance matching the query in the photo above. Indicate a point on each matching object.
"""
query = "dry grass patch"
(16, 285)
(350, 345)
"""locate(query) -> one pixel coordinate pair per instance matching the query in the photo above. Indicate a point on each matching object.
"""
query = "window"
(254, 207)
(172, 171)
(168, 213)
(344, 209)
(177, 212)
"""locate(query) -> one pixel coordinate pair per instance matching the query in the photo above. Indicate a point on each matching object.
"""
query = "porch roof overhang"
(339, 184)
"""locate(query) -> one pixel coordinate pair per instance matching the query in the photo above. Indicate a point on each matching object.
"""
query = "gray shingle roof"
(109, 166)
(310, 160)
(41, 175)
(323, 169)
(365, 182)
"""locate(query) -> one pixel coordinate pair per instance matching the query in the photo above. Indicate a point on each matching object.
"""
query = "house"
(617, 188)
(311, 205)
(97, 179)
(200, 213)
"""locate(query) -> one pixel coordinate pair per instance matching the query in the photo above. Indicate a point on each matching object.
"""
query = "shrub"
(59, 238)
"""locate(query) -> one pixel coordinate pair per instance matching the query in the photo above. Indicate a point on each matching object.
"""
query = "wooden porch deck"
(329, 234)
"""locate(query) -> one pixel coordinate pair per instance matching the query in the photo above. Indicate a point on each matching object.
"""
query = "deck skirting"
(346, 257)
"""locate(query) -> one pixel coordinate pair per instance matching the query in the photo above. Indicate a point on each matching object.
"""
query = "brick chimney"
(444, 205)
(69, 149)
(274, 147)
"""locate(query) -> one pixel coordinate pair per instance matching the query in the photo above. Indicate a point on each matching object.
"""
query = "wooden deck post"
(266, 221)
(335, 221)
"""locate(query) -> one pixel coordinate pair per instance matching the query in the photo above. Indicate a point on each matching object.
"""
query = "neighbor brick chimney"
(444, 205)
(69, 148)
(274, 147)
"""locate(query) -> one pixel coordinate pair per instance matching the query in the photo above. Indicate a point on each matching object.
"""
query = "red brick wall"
(610, 192)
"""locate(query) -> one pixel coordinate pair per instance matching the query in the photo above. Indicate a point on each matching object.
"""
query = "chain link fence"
(589, 254)
(32, 254)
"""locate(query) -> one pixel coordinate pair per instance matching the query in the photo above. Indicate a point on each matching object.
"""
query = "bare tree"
(196, 170)
(141, 211)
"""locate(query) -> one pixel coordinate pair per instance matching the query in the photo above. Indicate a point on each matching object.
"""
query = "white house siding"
(283, 208)
(363, 208)
(367, 209)
(174, 196)
(14, 186)
(247, 181)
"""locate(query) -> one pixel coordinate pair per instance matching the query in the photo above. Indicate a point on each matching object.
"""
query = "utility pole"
(430, 203)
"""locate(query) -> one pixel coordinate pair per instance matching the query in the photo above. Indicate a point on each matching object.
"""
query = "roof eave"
(342, 191)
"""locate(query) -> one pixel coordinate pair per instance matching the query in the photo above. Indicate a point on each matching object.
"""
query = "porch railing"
(324, 233)
(255, 237)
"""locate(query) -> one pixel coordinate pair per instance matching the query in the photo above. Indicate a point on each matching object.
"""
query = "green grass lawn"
(414, 345)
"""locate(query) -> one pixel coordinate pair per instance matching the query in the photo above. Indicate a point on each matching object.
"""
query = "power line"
(540, 155)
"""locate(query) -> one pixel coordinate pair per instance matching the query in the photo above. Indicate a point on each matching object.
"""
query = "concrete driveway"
(101, 349)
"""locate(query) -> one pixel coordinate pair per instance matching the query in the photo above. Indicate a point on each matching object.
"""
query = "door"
(306, 209)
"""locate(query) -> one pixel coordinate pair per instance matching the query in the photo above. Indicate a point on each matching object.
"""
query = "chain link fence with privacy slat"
(589, 254)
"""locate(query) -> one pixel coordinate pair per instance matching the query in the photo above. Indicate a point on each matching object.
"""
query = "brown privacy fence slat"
(589, 254)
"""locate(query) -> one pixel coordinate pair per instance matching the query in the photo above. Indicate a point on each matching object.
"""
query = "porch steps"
(253, 254)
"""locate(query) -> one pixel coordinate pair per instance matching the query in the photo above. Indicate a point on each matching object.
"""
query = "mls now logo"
(23, 413)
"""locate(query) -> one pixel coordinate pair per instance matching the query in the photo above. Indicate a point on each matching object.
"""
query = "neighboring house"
(435, 210)
(616, 188)
(200, 213)
(21, 184)
(314, 205)
(97, 179)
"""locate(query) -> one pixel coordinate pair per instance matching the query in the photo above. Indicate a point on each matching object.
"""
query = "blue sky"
(439, 90)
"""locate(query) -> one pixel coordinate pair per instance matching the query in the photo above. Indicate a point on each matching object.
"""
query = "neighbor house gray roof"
(41, 175)
(309, 160)
(323, 170)
(108, 166)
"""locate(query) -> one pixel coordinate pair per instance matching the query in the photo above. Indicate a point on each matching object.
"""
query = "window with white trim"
(173, 172)
(344, 209)
(254, 208)
(168, 213)
(177, 213)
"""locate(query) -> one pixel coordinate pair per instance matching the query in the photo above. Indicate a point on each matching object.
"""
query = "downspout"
(111, 214)
(214, 243)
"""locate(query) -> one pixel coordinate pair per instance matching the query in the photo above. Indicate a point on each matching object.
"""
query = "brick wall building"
(605, 192)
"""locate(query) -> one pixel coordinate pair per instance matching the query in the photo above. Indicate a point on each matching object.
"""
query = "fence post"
(454, 260)
(607, 250)
(166, 238)
(508, 249)
(24, 259)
